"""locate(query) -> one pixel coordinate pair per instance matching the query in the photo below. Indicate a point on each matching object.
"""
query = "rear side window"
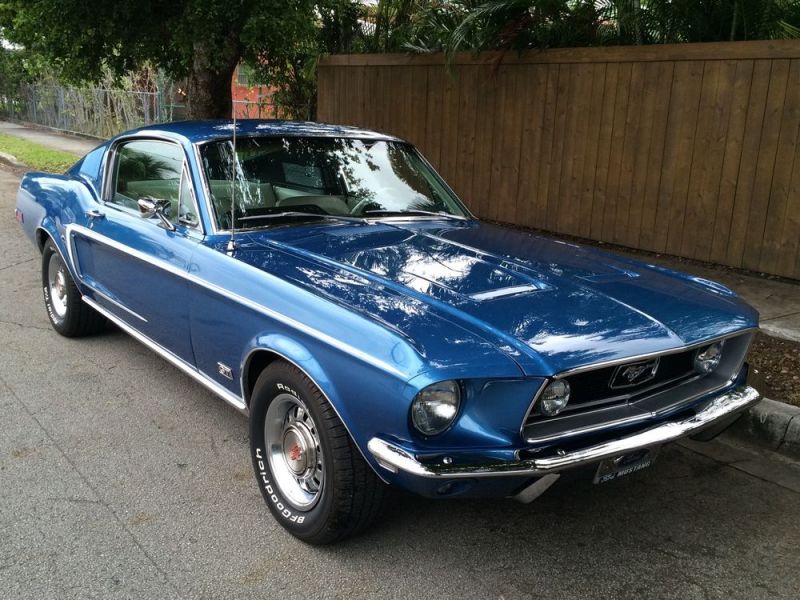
(148, 168)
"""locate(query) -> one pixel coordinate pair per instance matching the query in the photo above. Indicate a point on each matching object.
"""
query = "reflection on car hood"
(550, 305)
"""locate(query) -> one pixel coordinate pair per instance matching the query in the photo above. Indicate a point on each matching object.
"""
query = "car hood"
(550, 305)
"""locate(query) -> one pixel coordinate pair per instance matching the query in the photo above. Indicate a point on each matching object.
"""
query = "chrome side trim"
(72, 230)
(201, 378)
(396, 459)
(212, 215)
(119, 305)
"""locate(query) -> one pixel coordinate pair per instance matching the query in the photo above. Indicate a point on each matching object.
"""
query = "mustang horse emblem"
(634, 374)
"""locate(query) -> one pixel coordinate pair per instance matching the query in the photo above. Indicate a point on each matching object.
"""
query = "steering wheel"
(362, 204)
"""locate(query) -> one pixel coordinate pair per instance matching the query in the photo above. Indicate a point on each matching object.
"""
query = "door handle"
(95, 214)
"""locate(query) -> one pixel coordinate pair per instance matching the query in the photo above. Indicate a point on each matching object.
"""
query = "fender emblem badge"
(225, 371)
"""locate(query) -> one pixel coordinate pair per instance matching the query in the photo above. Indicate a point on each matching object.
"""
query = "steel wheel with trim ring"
(69, 315)
(313, 478)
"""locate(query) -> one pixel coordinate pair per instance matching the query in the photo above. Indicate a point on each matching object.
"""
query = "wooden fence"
(690, 150)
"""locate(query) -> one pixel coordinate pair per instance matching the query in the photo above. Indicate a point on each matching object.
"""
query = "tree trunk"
(209, 93)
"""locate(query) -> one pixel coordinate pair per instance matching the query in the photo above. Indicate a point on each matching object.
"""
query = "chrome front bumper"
(395, 459)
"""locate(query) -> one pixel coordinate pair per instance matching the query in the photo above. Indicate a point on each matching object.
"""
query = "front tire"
(69, 315)
(312, 477)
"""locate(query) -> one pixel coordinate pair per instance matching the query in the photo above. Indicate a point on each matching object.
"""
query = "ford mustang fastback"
(326, 282)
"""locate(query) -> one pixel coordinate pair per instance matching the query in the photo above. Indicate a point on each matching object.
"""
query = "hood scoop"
(437, 268)
(514, 290)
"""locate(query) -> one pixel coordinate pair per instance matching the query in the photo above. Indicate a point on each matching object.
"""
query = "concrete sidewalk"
(778, 302)
(51, 139)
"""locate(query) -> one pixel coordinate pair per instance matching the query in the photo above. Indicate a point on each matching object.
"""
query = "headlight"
(707, 359)
(554, 398)
(435, 407)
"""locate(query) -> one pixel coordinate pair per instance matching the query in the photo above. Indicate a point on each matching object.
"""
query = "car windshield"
(340, 177)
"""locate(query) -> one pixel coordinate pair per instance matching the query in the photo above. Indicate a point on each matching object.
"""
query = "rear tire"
(69, 315)
(313, 478)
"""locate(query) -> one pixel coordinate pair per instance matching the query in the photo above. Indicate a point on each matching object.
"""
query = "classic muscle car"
(327, 282)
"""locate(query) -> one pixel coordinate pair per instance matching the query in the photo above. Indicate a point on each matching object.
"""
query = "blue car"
(325, 281)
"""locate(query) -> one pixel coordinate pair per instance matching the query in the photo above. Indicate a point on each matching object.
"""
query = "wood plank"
(789, 261)
(557, 148)
(641, 152)
(575, 149)
(589, 168)
(617, 150)
(732, 154)
(692, 234)
(433, 118)
(774, 244)
(563, 194)
(501, 93)
(532, 84)
(660, 118)
(765, 167)
(745, 50)
(791, 228)
(540, 142)
(484, 134)
(325, 77)
(418, 108)
(714, 158)
(510, 150)
(548, 140)
(747, 166)
(467, 115)
(630, 152)
(448, 128)
(687, 107)
(600, 192)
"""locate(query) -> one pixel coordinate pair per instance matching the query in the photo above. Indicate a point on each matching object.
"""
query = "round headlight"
(707, 359)
(554, 398)
(435, 407)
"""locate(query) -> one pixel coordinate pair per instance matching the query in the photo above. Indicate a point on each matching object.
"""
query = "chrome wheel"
(57, 285)
(294, 451)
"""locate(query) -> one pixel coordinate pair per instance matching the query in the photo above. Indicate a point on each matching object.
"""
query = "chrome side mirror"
(149, 207)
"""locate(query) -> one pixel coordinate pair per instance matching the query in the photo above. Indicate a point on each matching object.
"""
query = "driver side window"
(150, 169)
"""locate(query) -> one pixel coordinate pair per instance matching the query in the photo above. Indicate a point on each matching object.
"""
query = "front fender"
(360, 397)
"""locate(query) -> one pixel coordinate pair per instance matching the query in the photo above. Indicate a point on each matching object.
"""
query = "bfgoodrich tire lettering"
(69, 315)
(338, 494)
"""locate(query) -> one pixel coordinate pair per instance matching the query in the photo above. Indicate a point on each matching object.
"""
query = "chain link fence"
(97, 112)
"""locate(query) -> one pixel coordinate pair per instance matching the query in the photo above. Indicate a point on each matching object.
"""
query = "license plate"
(619, 466)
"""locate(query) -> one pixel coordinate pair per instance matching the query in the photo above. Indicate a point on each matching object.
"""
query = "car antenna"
(235, 163)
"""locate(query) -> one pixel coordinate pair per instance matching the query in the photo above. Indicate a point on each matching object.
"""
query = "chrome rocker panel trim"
(395, 459)
(198, 376)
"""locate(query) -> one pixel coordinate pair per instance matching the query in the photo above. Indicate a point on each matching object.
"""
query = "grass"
(36, 156)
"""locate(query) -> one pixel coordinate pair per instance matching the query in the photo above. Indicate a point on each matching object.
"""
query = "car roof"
(202, 131)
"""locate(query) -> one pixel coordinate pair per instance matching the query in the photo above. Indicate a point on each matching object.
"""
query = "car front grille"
(592, 388)
(600, 397)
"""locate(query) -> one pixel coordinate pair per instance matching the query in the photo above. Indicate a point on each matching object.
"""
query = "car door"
(135, 266)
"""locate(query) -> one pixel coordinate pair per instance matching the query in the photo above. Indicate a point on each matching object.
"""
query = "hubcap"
(295, 452)
(57, 285)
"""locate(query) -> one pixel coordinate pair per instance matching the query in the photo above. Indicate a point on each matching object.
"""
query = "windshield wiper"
(413, 212)
(297, 213)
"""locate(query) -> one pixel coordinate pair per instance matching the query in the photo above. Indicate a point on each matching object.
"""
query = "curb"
(774, 424)
(11, 161)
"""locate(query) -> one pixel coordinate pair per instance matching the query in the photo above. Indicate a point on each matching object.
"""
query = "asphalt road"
(122, 478)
